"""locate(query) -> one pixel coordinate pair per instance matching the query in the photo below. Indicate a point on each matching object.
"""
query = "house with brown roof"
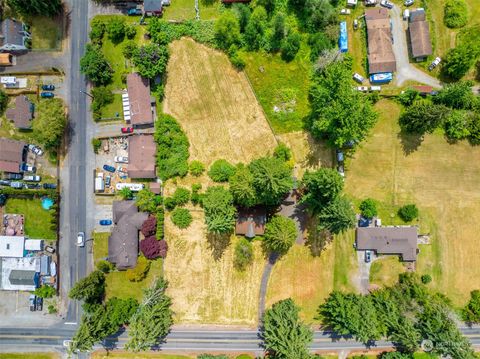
(141, 104)
(142, 156)
(419, 34)
(400, 241)
(380, 51)
(22, 114)
(13, 35)
(12, 154)
(251, 222)
(123, 242)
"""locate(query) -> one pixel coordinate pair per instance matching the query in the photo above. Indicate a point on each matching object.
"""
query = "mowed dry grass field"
(205, 290)
(215, 105)
(443, 180)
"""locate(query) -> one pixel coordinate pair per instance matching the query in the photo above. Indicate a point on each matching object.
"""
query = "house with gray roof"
(19, 273)
(13, 35)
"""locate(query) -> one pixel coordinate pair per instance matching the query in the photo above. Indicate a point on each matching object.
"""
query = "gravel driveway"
(405, 70)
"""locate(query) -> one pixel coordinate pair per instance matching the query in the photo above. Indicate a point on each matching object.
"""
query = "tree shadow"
(317, 239)
(410, 141)
(218, 243)
(208, 2)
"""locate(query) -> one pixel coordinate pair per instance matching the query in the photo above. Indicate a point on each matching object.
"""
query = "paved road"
(405, 70)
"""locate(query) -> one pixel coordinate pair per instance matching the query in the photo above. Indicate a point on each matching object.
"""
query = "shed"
(34, 244)
(45, 265)
(6, 59)
(251, 222)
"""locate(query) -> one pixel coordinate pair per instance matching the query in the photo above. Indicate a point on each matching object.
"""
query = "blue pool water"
(47, 203)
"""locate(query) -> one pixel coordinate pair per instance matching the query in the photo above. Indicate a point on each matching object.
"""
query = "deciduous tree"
(368, 207)
(151, 60)
(149, 227)
(95, 66)
(471, 312)
(227, 30)
(150, 247)
(321, 187)
(36, 7)
(49, 124)
(90, 289)
(221, 170)
(147, 201)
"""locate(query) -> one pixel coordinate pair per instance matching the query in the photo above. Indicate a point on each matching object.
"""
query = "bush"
(130, 32)
(140, 271)
(116, 29)
(408, 212)
(97, 144)
(426, 278)
(457, 125)
(283, 152)
(45, 291)
(97, 30)
(52, 309)
(128, 49)
(196, 168)
(150, 247)
(149, 227)
(474, 130)
(181, 217)
(160, 223)
(243, 254)
(163, 248)
(368, 207)
(290, 46)
(181, 196)
(105, 266)
(170, 203)
(3, 102)
(237, 61)
(221, 170)
(455, 14)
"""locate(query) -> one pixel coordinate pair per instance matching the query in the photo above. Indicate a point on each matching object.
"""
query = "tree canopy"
(457, 95)
(471, 312)
(242, 188)
(368, 207)
(90, 289)
(456, 13)
(321, 187)
(337, 216)
(36, 7)
(49, 124)
(95, 66)
(227, 30)
(219, 210)
(423, 117)
(459, 60)
(151, 60)
(280, 234)
(221, 170)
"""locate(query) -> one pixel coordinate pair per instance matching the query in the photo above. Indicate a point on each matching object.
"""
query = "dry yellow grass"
(215, 105)
(442, 179)
(205, 290)
(385, 270)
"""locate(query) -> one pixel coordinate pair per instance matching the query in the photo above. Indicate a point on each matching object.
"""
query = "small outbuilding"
(251, 222)
(419, 34)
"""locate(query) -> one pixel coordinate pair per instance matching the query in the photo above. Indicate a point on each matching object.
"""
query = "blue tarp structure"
(343, 39)
(381, 78)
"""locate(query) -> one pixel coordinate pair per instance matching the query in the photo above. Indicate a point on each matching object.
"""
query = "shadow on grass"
(317, 239)
(218, 243)
(410, 141)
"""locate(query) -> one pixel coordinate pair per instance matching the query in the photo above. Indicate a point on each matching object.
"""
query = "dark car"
(127, 129)
(33, 185)
(108, 180)
(105, 222)
(27, 168)
(340, 156)
(32, 300)
(48, 87)
(109, 168)
(39, 304)
(134, 11)
(4, 183)
(13, 176)
(368, 256)
(49, 186)
(16, 185)
(47, 95)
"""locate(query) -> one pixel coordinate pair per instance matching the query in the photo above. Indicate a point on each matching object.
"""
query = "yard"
(29, 355)
(46, 32)
(442, 179)
(385, 270)
(215, 105)
(185, 10)
(111, 110)
(127, 355)
(37, 220)
(117, 283)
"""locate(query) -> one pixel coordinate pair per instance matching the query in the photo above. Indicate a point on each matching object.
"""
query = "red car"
(127, 129)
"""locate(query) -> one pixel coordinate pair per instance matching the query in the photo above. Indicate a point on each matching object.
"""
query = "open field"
(442, 179)
(46, 32)
(281, 85)
(208, 290)
(37, 220)
(29, 355)
(385, 270)
(308, 279)
(117, 283)
(215, 105)
(127, 355)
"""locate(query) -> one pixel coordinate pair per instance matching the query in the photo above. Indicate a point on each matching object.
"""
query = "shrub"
(221, 170)
(181, 196)
(426, 278)
(227, 30)
(149, 227)
(474, 130)
(237, 61)
(126, 193)
(160, 223)
(282, 152)
(150, 247)
(196, 187)
(290, 46)
(97, 30)
(163, 248)
(130, 31)
(170, 203)
(181, 217)
(3, 102)
(196, 168)
(368, 207)
(116, 29)
(408, 212)
(457, 125)
(243, 254)
(408, 97)
(45, 291)
(140, 271)
(128, 49)
(455, 14)
(105, 266)
(97, 144)
(52, 309)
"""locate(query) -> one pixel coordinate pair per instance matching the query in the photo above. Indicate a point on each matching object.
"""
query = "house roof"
(11, 32)
(141, 156)
(419, 32)
(155, 187)
(19, 273)
(22, 113)
(152, 5)
(380, 51)
(11, 154)
(251, 222)
(417, 15)
(139, 97)
(423, 89)
(12, 246)
(6, 59)
(389, 240)
(123, 242)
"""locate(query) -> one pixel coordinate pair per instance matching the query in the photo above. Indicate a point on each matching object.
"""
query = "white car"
(362, 88)
(32, 178)
(370, 2)
(121, 159)
(387, 4)
(408, 2)
(345, 12)
(359, 78)
(35, 149)
(375, 88)
(81, 239)
(434, 63)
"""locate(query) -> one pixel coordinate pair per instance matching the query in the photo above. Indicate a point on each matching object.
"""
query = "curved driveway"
(405, 70)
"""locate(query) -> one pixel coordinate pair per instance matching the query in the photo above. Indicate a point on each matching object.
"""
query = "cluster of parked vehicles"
(47, 91)
(36, 303)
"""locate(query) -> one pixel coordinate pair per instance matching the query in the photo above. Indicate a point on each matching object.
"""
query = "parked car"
(434, 63)
(408, 2)
(165, 2)
(122, 169)
(32, 178)
(16, 185)
(340, 156)
(39, 304)
(341, 170)
(362, 88)
(48, 87)
(359, 78)
(120, 159)
(27, 168)
(49, 185)
(345, 12)
(49, 249)
(4, 183)
(355, 24)
(127, 129)
(32, 299)
(12, 176)
(35, 149)
(32, 185)
(368, 256)
(387, 4)
(406, 14)
(134, 11)
(108, 180)
(109, 168)
(370, 2)
(81, 239)
(105, 222)
(47, 95)
(375, 88)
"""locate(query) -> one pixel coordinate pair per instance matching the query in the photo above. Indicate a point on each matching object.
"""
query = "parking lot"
(103, 211)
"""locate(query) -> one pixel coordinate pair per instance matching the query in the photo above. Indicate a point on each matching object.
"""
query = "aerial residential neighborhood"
(234, 179)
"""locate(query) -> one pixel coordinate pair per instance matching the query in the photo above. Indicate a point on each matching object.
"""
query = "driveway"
(405, 70)
(363, 278)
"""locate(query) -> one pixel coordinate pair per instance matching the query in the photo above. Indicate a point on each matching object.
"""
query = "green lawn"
(46, 33)
(37, 220)
(281, 84)
(126, 355)
(185, 10)
(111, 110)
(29, 355)
(385, 270)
